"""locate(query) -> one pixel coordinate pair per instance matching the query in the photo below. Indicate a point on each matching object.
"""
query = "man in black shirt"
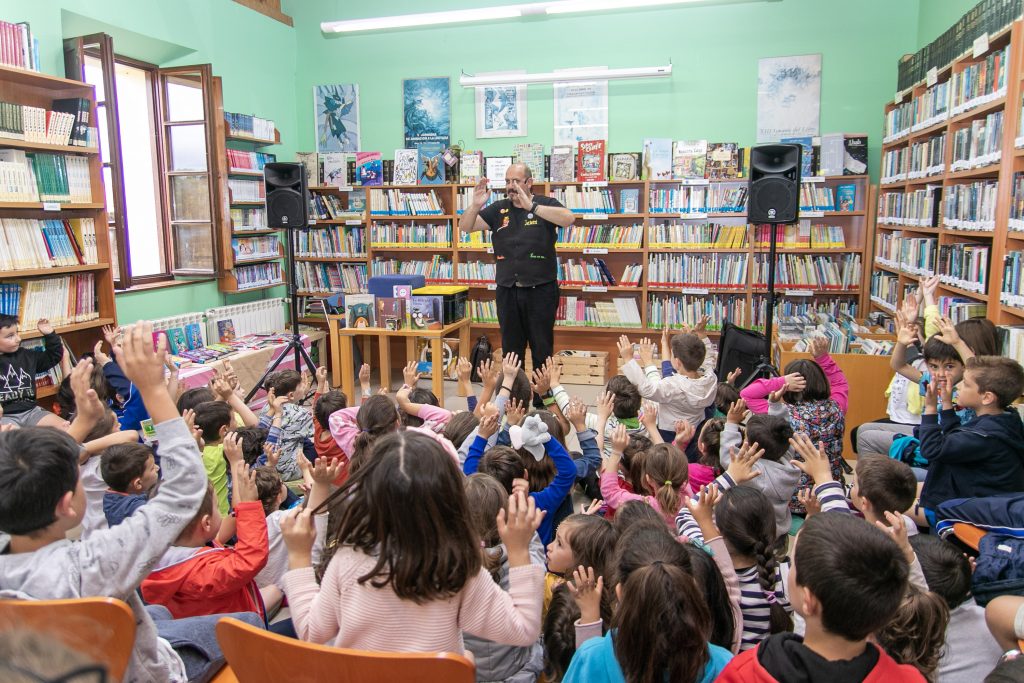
(523, 234)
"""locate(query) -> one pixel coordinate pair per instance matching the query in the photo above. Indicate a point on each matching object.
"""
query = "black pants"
(527, 315)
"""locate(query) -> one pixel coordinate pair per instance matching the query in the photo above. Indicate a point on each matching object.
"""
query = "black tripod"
(765, 369)
(295, 339)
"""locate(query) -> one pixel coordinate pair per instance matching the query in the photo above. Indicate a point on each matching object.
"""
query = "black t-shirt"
(524, 243)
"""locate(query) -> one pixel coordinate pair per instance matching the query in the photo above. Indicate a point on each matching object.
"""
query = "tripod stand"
(765, 369)
(294, 344)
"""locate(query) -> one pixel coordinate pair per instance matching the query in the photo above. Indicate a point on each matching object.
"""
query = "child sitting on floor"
(131, 473)
(296, 422)
(19, 367)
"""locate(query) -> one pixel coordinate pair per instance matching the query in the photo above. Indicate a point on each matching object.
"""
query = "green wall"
(935, 16)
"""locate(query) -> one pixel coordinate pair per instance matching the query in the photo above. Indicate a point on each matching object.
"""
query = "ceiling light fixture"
(587, 74)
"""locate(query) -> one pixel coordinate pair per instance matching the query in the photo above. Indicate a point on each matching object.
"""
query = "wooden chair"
(100, 629)
(257, 656)
(968, 534)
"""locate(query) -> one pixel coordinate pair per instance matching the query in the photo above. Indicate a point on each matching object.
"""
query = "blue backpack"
(1000, 568)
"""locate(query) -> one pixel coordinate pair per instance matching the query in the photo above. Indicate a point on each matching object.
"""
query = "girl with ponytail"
(661, 626)
(747, 522)
(664, 477)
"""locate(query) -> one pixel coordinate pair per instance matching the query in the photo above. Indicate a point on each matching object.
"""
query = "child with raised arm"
(665, 477)
(420, 404)
(19, 367)
(326, 402)
(131, 472)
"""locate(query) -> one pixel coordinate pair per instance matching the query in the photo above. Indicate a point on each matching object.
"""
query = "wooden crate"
(583, 367)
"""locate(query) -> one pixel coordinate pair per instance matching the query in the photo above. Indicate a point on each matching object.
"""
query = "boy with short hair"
(131, 472)
(326, 402)
(19, 367)
(296, 423)
(214, 419)
(41, 499)
(985, 455)
(847, 580)
(884, 485)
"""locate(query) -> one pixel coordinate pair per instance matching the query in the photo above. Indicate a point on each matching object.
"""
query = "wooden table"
(342, 361)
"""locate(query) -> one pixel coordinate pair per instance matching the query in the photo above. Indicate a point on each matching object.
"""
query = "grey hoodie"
(113, 562)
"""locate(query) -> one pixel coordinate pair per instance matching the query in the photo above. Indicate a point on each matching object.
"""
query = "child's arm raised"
(223, 391)
(833, 373)
(948, 334)
(649, 419)
(488, 428)
(551, 496)
(756, 393)
(314, 611)
(905, 336)
(365, 389)
(586, 592)
(615, 496)
(649, 385)
(815, 465)
(88, 408)
(53, 348)
(701, 509)
(931, 310)
(591, 460)
(465, 371)
(731, 436)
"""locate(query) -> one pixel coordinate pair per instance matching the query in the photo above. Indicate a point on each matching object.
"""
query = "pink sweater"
(344, 613)
(756, 393)
(345, 429)
(615, 496)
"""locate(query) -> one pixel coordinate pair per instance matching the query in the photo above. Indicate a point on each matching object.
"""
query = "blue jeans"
(195, 638)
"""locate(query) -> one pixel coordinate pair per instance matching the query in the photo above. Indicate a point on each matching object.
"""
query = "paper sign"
(980, 45)
(51, 206)
(932, 77)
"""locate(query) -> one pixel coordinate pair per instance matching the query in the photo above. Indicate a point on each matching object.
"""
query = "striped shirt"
(755, 606)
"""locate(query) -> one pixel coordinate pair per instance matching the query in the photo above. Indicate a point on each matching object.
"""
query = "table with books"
(343, 338)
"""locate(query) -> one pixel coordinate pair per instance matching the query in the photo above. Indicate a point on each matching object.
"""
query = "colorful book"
(194, 336)
(629, 201)
(369, 168)
(846, 197)
(471, 167)
(657, 159)
(855, 154)
(624, 166)
(590, 162)
(336, 168)
(808, 154)
(431, 168)
(226, 330)
(532, 155)
(406, 166)
(723, 160)
(359, 310)
(689, 158)
(425, 313)
(561, 164)
(391, 313)
(176, 340)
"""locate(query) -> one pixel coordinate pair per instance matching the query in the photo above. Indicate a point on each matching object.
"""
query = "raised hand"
(409, 374)
(897, 530)
(685, 432)
(905, 332)
(620, 439)
(586, 591)
(666, 345)
(931, 396)
(243, 483)
(516, 527)
(44, 326)
(733, 376)
(510, 366)
(364, 377)
(488, 426)
(809, 500)
(299, 534)
(817, 346)
(481, 194)
(646, 352)
(140, 363)
(649, 416)
(911, 305)
(88, 406)
(738, 412)
(322, 386)
(464, 369)
(541, 383)
(625, 348)
(190, 420)
(947, 331)
(273, 453)
(591, 509)
(221, 389)
(324, 470)
(815, 463)
(576, 414)
(515, 412)
(702, 507)
(97, 352)
(232, 448)
(554, 371)
(605, 406)
(701, 328)
(928, 287)
(741, 467)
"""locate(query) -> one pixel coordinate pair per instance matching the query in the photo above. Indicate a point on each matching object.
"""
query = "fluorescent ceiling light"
(500, 12)
(589, 74)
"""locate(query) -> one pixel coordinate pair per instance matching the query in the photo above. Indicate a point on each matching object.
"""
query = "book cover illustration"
(311, 161)
(807, 166)
(855, 155)
(846, 197)
(624, 166)
(471, 167)
(406, 164)
(495, 168)
(359, 310)
(431, 168)
(561, 164)
(531, 154)
(424, 313)
(335, 168)
(689, 158)
(226, 330)
(369, 168)
(657, 159)
(357, 201)
(176, 341)
(194, 336)
(723, 160)
(590, 161)
(629, 201)
(391, 313)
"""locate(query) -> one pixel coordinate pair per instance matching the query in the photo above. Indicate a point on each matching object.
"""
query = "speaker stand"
(294, 344)
(765, 369)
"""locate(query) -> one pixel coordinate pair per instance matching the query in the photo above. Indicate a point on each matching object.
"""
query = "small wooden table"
(342, 361)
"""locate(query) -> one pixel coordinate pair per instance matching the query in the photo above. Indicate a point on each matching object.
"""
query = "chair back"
(258, 656)
(100, 629)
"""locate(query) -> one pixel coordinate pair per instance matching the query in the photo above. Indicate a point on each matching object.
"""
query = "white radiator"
(182, 321)
(256, 317)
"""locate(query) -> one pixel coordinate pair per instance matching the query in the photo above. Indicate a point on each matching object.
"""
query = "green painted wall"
(935, 16)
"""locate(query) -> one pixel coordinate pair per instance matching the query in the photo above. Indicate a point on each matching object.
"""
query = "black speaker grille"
(285, 203)
(773, 200)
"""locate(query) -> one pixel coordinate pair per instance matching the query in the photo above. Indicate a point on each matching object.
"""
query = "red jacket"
(214, 580)
(745, 668)
(327, 447)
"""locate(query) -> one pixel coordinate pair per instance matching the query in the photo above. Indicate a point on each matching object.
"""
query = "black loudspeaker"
(287, 199)
(774, 190)
(740, 348)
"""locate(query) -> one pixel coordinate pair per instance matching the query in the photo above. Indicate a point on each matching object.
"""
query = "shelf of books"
(952, 184)
(54, 244)
(642, 254)
(250, 253)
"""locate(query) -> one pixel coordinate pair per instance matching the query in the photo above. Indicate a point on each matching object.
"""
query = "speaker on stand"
(773, 198)
(288, 208)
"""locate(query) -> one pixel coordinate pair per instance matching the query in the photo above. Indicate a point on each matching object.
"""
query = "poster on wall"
(581, 112)
(428, 113)
(788, 97)
(336, 108)
(501, 110)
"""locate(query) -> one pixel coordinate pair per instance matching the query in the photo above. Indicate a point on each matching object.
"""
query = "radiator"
(256, 317)
(182, 321)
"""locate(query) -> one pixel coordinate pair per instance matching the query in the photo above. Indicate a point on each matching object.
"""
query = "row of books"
(1012, 342)
(595, 200)
(675, 311)
(927, 158)
(574, 311)
(914, 255)
(67, 123)
(885, 290)
(597, 273)
(980, 82)
(32, 243)
(243, 190)
(44, 177)
(252, 248)
(399, 203)
(411, 235)
(798, 271)
(988, 16)
(964, 265)
(330, 277)
(1016, 222)
(250, 126)
(239, 160)
(327, 206)
(927, 109)
(18, 47)
(1013, 285)
(600, 236)
(465, 198)
(248, 218)
(918, 207)
(698, 199)
(707, 270)
(978, 145)
(437, 269)
(895, 163)
(331, 241)
(787, 309)
(63, 300)
(476, 272)
(483, 311)
(696, 235)
(959, 309)
(801, 236)
(818, 197)
(258, 275)
(971, 206)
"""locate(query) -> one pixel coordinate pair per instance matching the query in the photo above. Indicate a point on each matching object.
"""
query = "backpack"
(1000, 568)
(481, 351)
(907, 449)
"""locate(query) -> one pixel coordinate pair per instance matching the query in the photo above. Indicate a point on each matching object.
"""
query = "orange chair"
(100, 629)
(968, 534)
(257, 656)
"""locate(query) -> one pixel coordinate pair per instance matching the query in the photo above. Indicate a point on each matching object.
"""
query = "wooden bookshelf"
(224, 139)
(36, 89)
(1010, 161)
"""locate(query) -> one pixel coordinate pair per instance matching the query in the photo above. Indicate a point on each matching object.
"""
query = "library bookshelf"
(969, 214)
(447, 257)
(36, 89)
(242, 221)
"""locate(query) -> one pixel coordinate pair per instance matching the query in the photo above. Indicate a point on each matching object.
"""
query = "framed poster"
(427, 110)
(788, 97)
(581, 111)
(336, 108)
(501, 111)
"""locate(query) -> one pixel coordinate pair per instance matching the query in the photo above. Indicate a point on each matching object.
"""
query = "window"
(154, 127)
